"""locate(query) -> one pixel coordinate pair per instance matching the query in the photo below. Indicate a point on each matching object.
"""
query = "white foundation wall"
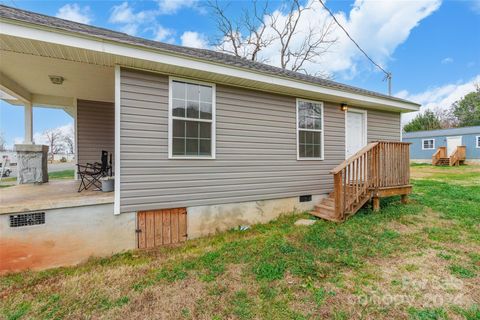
(69, 236)
(207, 220)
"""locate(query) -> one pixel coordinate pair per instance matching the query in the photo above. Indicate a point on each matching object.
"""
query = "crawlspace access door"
(161, 227)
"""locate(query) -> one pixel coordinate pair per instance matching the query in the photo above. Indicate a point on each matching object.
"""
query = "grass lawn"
(415, 261)
(58, 175)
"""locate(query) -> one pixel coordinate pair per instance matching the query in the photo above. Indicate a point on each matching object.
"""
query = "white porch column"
(28, 123)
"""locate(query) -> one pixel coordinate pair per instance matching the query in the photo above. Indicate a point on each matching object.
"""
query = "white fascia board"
(61, 37)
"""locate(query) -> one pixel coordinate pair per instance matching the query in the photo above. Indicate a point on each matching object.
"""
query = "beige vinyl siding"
(95, 130)
(255, 149)
(383, 125)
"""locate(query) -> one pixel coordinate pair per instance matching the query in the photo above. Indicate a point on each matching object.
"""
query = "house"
(202, 142)
(443, 143)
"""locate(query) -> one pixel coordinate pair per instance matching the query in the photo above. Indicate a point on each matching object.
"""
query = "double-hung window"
(478, 141)
(309, 130)
(191, 119)
(428, 144)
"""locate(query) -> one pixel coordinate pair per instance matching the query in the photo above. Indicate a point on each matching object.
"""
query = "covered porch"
(85, 91)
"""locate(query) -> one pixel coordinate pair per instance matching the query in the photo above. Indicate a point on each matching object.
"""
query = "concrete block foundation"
(207, 220)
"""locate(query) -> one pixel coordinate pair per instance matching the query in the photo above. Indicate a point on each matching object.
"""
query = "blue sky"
(431, 47)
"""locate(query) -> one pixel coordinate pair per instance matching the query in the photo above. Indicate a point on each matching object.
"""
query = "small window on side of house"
(428, 144)
(478, 141)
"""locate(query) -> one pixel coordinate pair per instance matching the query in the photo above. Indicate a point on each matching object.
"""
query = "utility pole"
(388, 77)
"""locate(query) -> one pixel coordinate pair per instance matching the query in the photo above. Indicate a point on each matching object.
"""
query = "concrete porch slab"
(51, 195)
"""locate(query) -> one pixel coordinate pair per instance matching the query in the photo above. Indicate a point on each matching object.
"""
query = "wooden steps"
(440, 157)
(379, 169)
(443, 162)
(326, 209)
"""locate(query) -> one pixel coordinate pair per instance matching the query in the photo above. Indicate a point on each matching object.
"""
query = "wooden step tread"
(326, 207)
(324, 215)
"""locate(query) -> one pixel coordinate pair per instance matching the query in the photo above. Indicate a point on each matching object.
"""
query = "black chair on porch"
(91, 173)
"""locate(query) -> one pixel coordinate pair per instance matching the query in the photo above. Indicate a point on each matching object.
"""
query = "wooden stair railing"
(457, 156)
(351, 180)
(441, 153)
(378, 166)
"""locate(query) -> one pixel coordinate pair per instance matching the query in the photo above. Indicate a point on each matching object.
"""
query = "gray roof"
(209, 55)
(442, 132)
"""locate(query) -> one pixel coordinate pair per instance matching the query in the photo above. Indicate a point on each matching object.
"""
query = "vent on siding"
(27, 219)
(306, 198)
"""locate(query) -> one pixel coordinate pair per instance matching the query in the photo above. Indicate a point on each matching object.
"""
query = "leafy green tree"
(467, 109)
(423, 121)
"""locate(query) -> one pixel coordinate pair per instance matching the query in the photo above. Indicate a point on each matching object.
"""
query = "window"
(191, 119)
(309, 130)
(428, 144)
(478, 141)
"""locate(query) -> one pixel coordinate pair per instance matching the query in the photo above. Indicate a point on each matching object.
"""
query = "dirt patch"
(189, 298)
(421, 280)
(413, 224)
(424, 172)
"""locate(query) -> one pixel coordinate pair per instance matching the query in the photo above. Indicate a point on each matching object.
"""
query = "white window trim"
(365, 126)
(423, 144)
(314, 130)
(171, 118)
(477, 141)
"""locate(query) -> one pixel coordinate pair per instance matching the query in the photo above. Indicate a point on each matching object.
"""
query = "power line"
(388, 75)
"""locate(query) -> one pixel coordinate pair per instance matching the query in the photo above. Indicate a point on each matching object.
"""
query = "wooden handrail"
(440, 153)
(380, 164)
(354, 157)
(457, 156)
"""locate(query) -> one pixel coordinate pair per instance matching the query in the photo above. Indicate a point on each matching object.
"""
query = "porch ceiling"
(82, 80)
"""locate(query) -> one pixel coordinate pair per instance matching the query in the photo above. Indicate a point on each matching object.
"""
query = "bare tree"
(54, 138)
(447, 118)
(231, 39)
(258, 28)
(69, 141)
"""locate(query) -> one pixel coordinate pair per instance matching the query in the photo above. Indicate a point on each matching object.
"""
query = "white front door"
(452, 144)
(356, 135)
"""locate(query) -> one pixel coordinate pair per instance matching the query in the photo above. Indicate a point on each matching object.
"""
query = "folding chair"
(90, 174)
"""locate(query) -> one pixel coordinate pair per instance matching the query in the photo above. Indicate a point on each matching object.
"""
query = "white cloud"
(130, 28)
(73, 12)
(194, 40)
(475, 6)
(122, 13)
(438, 98)
(164, 34)
(131, 21)
(378, 26)
(447, 60)
(173, 6)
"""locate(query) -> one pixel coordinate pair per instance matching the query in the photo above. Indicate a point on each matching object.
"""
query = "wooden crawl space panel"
(161, 227)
